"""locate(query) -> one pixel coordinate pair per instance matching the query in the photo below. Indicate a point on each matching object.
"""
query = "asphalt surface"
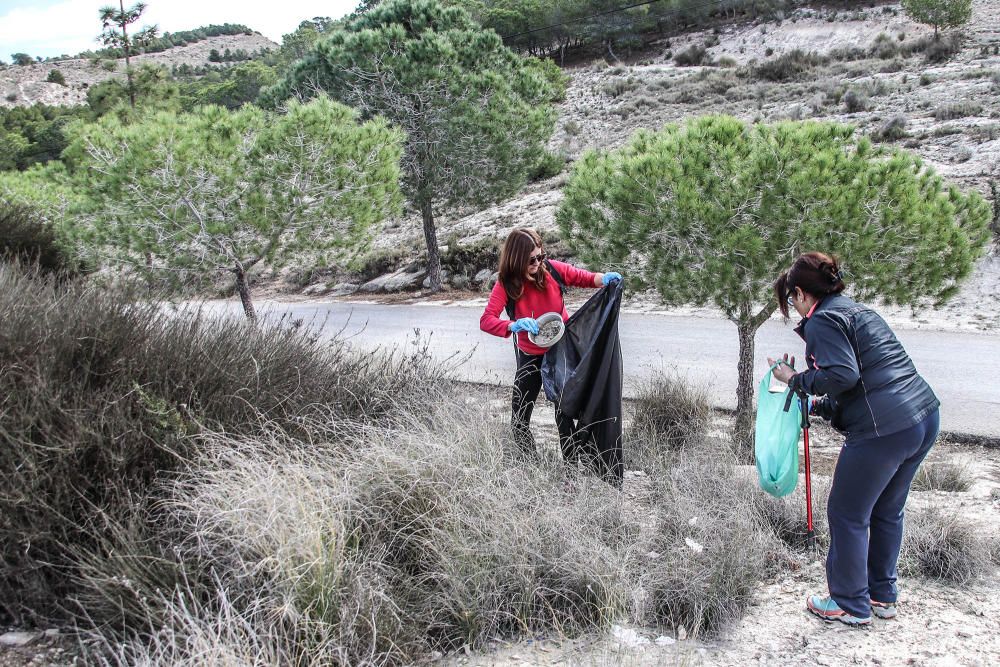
(963, 368)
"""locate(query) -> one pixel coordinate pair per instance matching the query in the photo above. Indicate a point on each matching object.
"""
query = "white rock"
(695, 547)
(482, 276)
(664, 640)
(343, 289)
(394, 282)
(313, 290)
(18, 638)
(692, 521)
(628, 636)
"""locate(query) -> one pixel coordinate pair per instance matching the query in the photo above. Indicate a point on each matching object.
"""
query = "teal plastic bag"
(777, 439)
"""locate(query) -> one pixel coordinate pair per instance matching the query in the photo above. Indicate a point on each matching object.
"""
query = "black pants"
(527, 383)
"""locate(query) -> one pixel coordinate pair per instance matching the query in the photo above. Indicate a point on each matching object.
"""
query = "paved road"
(963, 368)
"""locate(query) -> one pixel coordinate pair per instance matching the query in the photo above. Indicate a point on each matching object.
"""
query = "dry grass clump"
(786, 517)
(670, 411)
(102, 394)
(374, 545)
(711, 546)
(944, 546)
(941, 476)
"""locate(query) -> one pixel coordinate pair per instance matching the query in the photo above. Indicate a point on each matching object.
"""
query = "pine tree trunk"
(433, 253)
(243, 287)
(743, 434)
(128, 61)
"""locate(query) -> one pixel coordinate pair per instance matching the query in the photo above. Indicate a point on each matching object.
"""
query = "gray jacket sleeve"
(836, 365)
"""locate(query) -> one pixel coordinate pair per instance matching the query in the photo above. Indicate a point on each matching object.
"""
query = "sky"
(53, 27)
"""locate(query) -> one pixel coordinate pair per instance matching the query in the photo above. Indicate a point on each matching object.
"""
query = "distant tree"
(475, 114)
(216, 190)
(939, 13)
(295, 45)
(712, 211)
(12, 145)
(22, 59)
(241, 84)
(152, 88)
(55, 76)
(214, 56)
(115, 23)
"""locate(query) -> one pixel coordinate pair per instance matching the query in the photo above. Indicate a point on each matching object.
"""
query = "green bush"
(549, 164)
(470, 258)
(378, 262)
(55, 76)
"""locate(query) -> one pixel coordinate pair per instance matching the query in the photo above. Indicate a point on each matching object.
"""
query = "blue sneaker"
(885, 610)
(828, 610)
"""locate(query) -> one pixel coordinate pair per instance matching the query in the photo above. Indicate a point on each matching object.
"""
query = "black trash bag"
(582, 374)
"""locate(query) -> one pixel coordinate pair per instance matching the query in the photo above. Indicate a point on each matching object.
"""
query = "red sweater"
(533, 303)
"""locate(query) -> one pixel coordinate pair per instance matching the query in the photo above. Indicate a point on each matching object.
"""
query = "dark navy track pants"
(865, 514)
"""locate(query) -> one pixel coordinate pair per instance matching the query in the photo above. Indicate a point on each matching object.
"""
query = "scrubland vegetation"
(183, 486)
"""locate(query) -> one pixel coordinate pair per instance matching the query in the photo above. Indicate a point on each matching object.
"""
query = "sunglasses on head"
(535, 259)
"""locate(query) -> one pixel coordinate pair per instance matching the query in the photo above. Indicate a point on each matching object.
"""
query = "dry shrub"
(944, 546)
(26, 237)
(940, 476)
(711, 546)
(787, 66)
(669, 412)
(786, 517)
(102, 394)
(375, 545)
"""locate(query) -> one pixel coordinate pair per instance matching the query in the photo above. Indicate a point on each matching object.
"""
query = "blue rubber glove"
(528, 324)
(610, 277)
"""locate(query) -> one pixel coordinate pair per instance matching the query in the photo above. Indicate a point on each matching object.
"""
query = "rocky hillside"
(861, 67)
(24, 86)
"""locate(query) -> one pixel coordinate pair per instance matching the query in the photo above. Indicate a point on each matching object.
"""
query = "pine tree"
(709, 213)
(476, 115)
(939, 13)
(216, 190)
(115, 20)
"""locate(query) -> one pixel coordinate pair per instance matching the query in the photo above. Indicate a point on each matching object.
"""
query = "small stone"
(694, 546)
(344, 289)
(692, 521)
(653, 554)
(52, 632)
(965, 634)
(18, 638)
(664, 640)
(482, 276)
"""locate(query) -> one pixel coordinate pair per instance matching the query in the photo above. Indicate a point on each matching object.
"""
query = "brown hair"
(514, 257)
(815, 273)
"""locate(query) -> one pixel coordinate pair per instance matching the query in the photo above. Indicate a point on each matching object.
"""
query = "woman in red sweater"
(526, 280)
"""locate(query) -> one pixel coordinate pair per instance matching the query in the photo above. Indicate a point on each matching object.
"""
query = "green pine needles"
(218, 190)
(710, 212)
(475, 114)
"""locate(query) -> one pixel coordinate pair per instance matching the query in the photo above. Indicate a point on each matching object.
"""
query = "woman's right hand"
(528, 324)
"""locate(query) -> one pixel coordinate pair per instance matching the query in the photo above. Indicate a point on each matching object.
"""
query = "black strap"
(559, 281)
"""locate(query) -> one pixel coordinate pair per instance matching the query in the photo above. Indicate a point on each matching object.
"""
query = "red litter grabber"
(804, 409)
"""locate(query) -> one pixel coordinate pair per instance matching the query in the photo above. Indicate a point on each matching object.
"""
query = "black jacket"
(854, 359)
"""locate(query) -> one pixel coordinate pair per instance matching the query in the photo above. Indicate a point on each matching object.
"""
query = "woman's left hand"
(610, 277)
(785, 369)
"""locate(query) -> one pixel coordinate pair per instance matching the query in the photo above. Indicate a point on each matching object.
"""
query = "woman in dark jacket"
(533, 285)
(873, 394)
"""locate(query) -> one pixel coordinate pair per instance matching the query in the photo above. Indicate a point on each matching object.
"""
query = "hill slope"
(24, 86)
